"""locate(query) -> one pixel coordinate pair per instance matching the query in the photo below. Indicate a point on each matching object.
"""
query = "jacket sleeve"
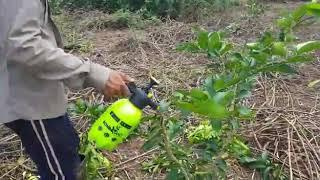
(25, 46)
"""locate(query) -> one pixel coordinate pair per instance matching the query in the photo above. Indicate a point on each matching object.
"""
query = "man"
(34, 71)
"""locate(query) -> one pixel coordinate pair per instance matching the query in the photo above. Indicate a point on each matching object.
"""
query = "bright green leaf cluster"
(211, 43)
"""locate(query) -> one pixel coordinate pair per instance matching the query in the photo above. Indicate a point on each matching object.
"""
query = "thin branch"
(168, 149)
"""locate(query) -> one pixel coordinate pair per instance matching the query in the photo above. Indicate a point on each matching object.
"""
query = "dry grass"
(287, 125)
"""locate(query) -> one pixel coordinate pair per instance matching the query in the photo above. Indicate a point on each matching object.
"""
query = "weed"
(119, 20)
(195, 10)
(74, 38)
(160, 8)
(93, 160)
(55, 6)
(222, 5)
(254, 8)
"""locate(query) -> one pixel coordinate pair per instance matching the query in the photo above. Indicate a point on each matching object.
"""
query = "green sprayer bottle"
(121, 118)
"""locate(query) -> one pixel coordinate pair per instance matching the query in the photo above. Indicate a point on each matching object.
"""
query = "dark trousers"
(52, 144)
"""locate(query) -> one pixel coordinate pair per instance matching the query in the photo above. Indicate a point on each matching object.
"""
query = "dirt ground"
(287, 123)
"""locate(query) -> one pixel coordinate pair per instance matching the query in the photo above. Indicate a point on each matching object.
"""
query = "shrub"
(160, 8)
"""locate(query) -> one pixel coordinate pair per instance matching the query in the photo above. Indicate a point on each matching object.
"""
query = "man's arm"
(25, 46)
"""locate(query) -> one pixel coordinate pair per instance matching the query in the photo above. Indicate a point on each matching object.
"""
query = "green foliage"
(212, 44)
(218, 103)
(221, 5)
(160, 8)
(74, 38)
(93, 162)
(164, 8)
(55, 6)
(120, 19)
(104, 5)
(308, 47)
(267, 169)
(92, 111)
(195, 10)
(255, 8)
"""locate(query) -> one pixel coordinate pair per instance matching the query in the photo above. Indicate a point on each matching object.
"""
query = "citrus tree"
(203, 149)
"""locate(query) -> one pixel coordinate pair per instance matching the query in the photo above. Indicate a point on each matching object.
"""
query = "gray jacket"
(33, 67)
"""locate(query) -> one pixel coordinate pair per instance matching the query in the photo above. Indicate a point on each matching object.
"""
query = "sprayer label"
(114, 130)
(125, 125)
(114, 116)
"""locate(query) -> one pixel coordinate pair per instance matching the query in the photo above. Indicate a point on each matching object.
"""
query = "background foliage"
(161, 8)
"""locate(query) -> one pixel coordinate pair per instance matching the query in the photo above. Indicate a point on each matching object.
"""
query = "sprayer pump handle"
(132, 87)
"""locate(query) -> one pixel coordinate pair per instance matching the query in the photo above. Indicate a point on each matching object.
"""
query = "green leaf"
(219, 84)
(198, 94)
(175, 127)
(188, 47)
(214, 42)
(239, 148)
(313, 9)
(225, 48)
(253, 163)
(235, 124)
(264, 156)
(216, 125)
(179, 95)
(308, 46)
(173, 174)
(299, 59)
(154, 139)
(208, 108)
(224, 98)
(222, 165)
(279, 49)
(247, 160)
(267, 39)
(298, 13)
(237, 56)
(266, 173)
(244, 94)
(313, 83)
(244, 112)
(290, 37)
(253, 46)
(182, 93)
(203, 39)
(223, 81)
(164, 106)
(285, 23)
(261, 57)
(245, 87)
(209, 82)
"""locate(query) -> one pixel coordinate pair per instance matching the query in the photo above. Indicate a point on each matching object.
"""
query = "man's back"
(30, 96)
(4, 84)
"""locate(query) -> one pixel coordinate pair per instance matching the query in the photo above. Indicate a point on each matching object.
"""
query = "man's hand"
(116, 85)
